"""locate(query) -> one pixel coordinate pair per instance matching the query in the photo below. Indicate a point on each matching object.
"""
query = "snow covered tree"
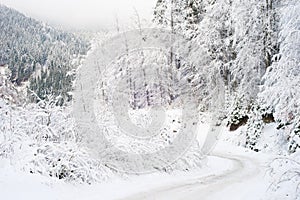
(280, 92)
(160, 12)
(254, 127)
(240, 38)
(39, 54)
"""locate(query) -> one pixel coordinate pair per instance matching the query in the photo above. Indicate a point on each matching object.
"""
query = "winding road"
(241, 181)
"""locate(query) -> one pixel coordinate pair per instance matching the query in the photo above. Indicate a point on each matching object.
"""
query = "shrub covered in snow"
(41, 139)
(285, 172)
(238, 115)
(254, 127)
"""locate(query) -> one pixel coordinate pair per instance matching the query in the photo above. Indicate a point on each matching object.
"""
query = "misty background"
(84, 14)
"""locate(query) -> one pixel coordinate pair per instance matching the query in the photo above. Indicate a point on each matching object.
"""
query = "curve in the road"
(205, 187)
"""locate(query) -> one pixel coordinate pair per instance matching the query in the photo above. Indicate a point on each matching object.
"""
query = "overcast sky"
(83, 13)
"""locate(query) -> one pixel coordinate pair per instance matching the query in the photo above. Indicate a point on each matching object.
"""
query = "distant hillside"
(38, 53)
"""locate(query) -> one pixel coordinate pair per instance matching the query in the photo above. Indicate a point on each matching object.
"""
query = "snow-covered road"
(243, 180)
(231, 173)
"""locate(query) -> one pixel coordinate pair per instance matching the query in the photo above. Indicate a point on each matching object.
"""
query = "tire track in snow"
(205, 187)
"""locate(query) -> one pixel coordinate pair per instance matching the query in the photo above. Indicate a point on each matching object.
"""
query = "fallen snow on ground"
(272, 140)
(229, 173)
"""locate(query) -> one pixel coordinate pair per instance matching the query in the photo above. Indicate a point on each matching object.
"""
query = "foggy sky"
(83, 13)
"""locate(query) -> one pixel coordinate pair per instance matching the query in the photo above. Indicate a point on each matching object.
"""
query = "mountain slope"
(38, 53)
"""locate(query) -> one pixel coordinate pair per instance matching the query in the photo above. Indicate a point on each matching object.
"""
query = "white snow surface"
(229, 173)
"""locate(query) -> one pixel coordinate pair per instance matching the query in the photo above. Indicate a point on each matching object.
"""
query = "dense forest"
(39, 54)
(254, 46)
